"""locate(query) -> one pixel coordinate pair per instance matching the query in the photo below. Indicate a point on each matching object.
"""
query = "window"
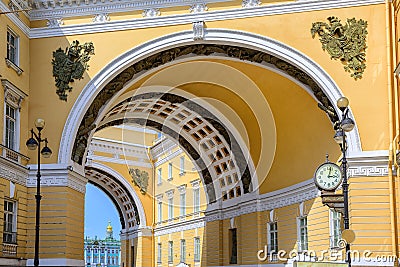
(183, 250)
(233, 246)
(170, 171)
(196, 200)
(10, 222)
(182, 166)
(12, 47)
(159, 206)
(302, 232)
(170, 208)
(272, 237)
(197, 249)
(183, 204)
(10, 131)
(159, 253)
(335, 228)
(159, 176)
(170, 251)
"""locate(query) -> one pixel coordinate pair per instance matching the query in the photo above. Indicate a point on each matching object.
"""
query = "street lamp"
(346, 124)
(33, 143)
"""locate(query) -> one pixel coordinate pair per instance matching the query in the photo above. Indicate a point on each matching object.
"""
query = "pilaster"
(61, 215)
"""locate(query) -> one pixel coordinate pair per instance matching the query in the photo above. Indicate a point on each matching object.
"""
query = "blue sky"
(99, 209)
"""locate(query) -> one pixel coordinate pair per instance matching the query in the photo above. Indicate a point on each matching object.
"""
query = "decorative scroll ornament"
(345, 42)
(140, 179)
(69, 65)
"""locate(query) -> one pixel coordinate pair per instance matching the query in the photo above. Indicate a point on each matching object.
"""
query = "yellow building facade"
(245, 98)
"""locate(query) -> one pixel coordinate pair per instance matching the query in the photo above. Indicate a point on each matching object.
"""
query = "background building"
(103, 252)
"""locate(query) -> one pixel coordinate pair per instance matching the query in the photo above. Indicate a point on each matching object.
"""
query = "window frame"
(196, 252)
(182, 165)
(334, 233)
(170, 252)
(170, 171)
(182, 202)
(302, 243)
(15, 47)
(159, 211)
(196, 200)
(183, 250)
(159, 253)
(272, 234)
(170, 208)
(13, 233)
(14, 119)
(159, 176)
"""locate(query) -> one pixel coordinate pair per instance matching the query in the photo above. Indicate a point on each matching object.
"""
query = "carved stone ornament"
(140, 179)
(344, 42)
(69, 65)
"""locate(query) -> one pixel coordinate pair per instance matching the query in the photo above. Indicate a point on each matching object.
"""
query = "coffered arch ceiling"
(132, 78)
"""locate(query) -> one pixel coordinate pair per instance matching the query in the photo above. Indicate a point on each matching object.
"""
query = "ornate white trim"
(170, 193)
(164, 145)
(131, 234)
(102, 17)
(198, 7)
(54, 23)
(177, 19)
(13, 172)
(151, 12)
(57, 175)
(368, 163)
(15, 19)
(198, 30)
(118, 147)
(251, 3)
(182, 188)
(12, 94)
(195, 183)
(256, 203)
(180, 226)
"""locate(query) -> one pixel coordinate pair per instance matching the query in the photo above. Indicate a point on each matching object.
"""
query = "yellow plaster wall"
(20, 196)
(61, 229)
(372, 86)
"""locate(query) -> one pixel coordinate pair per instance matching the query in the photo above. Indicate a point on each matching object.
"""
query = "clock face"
(328, 176)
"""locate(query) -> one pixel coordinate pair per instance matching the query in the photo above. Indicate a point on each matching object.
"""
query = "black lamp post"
(344, 125)
(32, 143)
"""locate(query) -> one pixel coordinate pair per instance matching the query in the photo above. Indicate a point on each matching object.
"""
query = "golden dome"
(109, 227)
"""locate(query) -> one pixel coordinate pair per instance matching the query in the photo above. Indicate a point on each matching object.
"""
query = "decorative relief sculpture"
(69, 65)
(344, 42)
(140, 179)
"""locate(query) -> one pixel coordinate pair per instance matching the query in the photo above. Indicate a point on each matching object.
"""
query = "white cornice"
(57, 175)
(13, 171)
(368, 163)
(22, 26)
(238, 13)
(180, 226)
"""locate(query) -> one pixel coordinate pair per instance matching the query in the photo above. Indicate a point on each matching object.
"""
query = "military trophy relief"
(344, 42)
(69, 65)
(140, 179)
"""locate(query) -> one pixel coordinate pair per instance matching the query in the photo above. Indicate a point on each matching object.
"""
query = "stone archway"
(125, 199)
(257, 48)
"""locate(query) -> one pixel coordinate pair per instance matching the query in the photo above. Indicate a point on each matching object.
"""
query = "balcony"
(9, 244)
(13, 155)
